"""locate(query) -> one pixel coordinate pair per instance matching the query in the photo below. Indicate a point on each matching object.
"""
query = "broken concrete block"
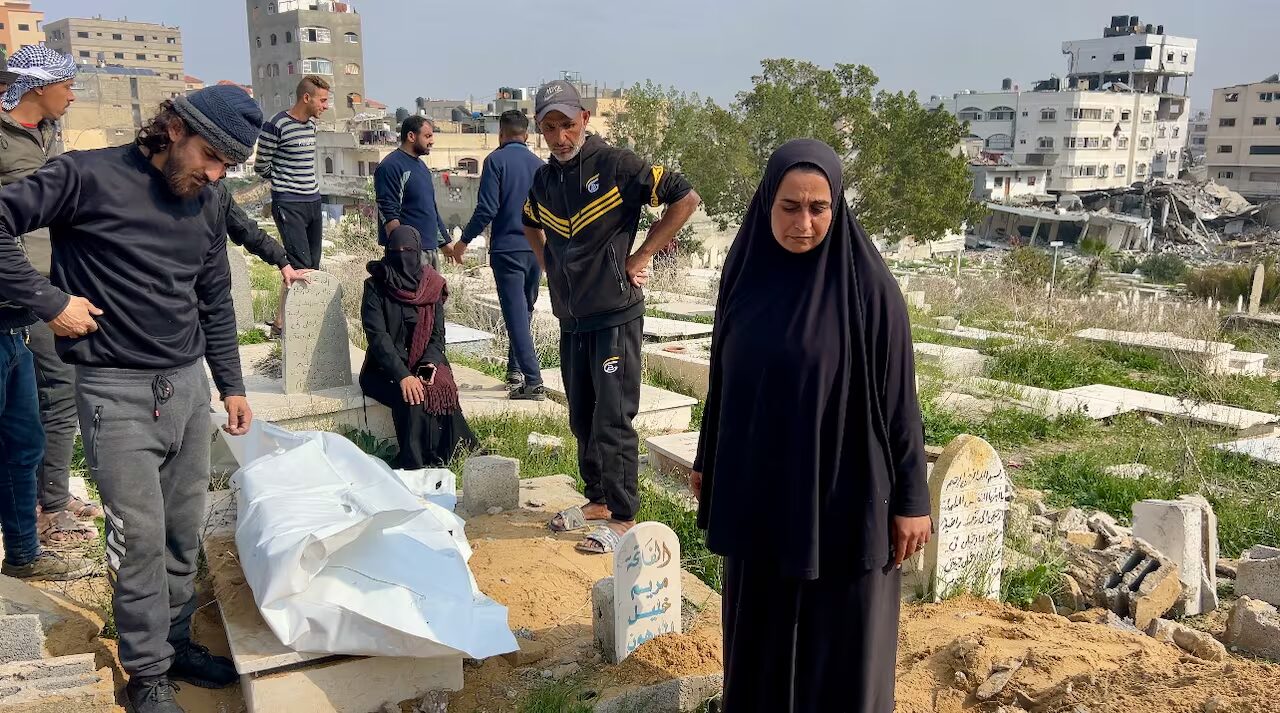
(1258, 575)
(1041, 525)
(541, 443)
(1105, 525)
(1092, 540)
(1102, 617)
(1254, 627)
(530, 652)
(57, 685)
(678, 696)
(21, 638)
(489, 482)
(1044, 605)
(602, 624)
(1227, 568)
(1162, 630)
(1177, 529)
(1199, 644)
(1069, 598)
(1141, 583)
(1070, 520)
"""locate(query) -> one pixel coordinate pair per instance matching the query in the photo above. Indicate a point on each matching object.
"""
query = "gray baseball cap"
(558, 96)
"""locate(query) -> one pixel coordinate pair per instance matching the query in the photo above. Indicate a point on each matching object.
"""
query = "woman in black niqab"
(811, 464)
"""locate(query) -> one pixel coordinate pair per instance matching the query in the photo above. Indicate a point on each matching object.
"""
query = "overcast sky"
(457, 50)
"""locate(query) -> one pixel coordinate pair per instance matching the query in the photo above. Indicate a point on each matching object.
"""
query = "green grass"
(263, 276)
(699, 319)
(1004, 427)
(1021, 587)
(253, 336)
(694, 555)
(488, 367)
(1241, 491)
(1068, 366)
(930, 335)
(567, 696)
(508, 434)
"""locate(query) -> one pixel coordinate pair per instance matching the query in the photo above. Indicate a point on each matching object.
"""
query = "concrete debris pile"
(1201, 214)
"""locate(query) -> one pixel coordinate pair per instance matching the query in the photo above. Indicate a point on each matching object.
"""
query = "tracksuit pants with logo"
(150, 458)
(601, 371)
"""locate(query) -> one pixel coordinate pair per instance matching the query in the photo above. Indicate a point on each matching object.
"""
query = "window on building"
(1197, 141)
(140, 56)
(173, 77)
(1106, 142)
(1146, 117)
(315, 34)
(84, 53)
(1264, 176)
(1048, 115)
(1226, 174)
(1278, 121)
(1144, 142)
(1224, 148)
(277, 101)
(1122, 142)
(1102, 171)
(271, 8)
(259, 41)
(360, 167)
(274, 40)
(1031, 180)
(117, 37)
(317, 65)
(1226, 122)
(999, 141)
(139, 38)
(999, 181)
(328, 164)
(1026, 113)
(1108, 114)
(1264, 150)
(1185, 57)
(1044, 142)
(351, 68)
(262, 72)
(1125, 115)
(1176, 130)
(352, 38)
(1161, 131)
(1266, 96)
(171, 40)
(1231, 97)
(289, 68)
(288, 38)
(118, 55)
(1259, 121)
(970, 113)
(1086, 114)
(83, 35)
(1117, 57)
(1170, 57)
(1120, 170)
(1000, 113)
(1141, 170)
(1082, 171)
(1142, 52)
(173, 58)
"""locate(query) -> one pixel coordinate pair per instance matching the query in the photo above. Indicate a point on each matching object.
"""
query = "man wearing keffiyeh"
(37, 67)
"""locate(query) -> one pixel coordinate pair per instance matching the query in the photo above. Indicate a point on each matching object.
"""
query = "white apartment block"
(1243, 147)
(1109, 124)
(1198, 135)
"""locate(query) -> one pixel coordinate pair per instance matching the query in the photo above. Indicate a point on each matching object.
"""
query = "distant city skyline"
(715, 46)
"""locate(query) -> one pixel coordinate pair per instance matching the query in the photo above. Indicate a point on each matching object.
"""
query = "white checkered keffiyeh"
(36, 66)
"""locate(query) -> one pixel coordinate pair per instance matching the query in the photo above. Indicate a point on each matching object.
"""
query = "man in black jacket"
(581, 220)
(140, 292)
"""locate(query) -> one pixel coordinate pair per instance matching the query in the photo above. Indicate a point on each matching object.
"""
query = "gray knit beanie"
(226, 116)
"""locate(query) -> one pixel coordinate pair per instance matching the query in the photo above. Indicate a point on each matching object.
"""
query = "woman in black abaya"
(405, 367)
(811, 464)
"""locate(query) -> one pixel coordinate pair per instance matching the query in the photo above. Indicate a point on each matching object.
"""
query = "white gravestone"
(241, 289)
(646, 587)
(1255, 295)
(970, 492)
(316, 351)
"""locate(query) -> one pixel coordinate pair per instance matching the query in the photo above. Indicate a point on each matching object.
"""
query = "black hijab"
(812, 436)
(401, 265)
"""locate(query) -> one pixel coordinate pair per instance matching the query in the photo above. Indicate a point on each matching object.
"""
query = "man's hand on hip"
(638, 269)
(239, 415)
(76, 320)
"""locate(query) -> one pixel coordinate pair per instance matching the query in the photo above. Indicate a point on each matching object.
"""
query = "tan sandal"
(62, 528)
(83, 509)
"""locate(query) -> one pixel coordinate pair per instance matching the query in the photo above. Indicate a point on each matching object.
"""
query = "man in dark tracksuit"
(581, 220)
(140, 293)
(504, 188)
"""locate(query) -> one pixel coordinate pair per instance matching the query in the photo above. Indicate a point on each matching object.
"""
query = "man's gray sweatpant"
(152, 472)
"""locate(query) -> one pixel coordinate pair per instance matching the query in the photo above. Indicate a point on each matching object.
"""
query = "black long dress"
(811, 442)
(426, 440)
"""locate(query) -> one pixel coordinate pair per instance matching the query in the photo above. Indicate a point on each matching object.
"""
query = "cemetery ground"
(1016, 359)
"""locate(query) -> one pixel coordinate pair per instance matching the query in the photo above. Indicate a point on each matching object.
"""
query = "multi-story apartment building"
(1243, 147)
(19, 26)
(123, 43)
(1109, 123)
(289, 39)
(1198, 135)
(112, 103)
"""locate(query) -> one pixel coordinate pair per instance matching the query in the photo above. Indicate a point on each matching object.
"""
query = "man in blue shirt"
(504, 188)
(402, 185)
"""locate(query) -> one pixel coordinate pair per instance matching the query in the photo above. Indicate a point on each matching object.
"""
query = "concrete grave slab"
(316, 345)
(657, 329)
(686, 309)
(465, 339)
(955, 362)
(673, 451)
(57, 685)
(660, 410)
(1258, 575)
(1161, 405)
(1179, 529)
(490, 482)
(1043, 401)
(1265, 449)
(687, 362)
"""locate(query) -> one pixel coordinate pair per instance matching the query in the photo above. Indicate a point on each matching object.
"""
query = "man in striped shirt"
(287, 158)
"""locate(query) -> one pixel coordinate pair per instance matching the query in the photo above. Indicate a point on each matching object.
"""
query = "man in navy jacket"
(504, 187)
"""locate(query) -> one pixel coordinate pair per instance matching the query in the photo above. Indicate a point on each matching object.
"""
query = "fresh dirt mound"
(947, 650)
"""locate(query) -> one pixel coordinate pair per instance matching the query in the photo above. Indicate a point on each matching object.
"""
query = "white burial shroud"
(342, 558)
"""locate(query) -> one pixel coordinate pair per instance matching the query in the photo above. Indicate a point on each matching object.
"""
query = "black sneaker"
(151, 694)
(194, 664)
(50, 567)
(515, 379)
(529, 393)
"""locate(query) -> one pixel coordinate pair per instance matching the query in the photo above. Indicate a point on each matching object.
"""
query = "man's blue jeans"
(21, 448)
